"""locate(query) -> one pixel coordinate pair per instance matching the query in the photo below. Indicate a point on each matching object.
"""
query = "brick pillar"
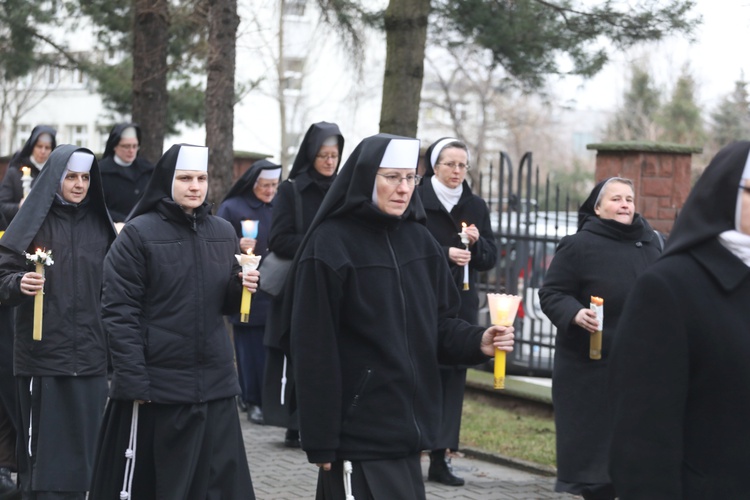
(660, 173)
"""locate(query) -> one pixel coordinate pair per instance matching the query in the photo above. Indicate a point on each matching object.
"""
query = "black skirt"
(182, 451)
(395, 479)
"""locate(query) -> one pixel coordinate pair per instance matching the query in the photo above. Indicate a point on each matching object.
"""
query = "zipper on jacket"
(406, 339)
(358, 394)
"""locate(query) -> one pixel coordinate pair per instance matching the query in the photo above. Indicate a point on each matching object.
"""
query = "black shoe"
(291, 439)
(441, 471)
(255, 414)
(241, 404)
(8, 488)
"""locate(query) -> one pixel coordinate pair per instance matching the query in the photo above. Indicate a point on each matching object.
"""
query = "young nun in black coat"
(612, 247)
(449, 203)
(314, 170)
(169, 278)
(372, 315)
(62, 378)
(680, 379)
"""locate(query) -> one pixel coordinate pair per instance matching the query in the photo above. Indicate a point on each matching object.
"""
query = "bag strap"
(297, 207)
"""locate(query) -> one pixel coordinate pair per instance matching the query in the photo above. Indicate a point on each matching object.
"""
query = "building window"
(294, 7)
(78, 135)
(293, 71)
(53, 75)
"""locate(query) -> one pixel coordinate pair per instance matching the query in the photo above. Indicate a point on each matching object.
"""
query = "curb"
(498, 459)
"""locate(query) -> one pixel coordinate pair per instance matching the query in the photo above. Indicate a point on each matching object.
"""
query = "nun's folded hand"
(497, 336)
(586, 319)
(472, 232)
(32, 283)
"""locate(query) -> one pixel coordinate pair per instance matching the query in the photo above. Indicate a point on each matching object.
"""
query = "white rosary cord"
(348, 480)
(283, 381)
(31, 411)
(127, 480)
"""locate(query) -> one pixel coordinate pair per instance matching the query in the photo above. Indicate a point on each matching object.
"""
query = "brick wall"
(660, 173)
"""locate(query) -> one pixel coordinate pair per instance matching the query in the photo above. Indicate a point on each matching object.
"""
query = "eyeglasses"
(396, 180)
(452, 164)
(327, 157)
(745, 188)
(128, 146)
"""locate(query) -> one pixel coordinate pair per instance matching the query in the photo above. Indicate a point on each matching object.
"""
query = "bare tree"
(17, 99)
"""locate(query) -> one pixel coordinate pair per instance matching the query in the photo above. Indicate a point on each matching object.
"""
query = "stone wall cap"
(252, 155)
(644, 147)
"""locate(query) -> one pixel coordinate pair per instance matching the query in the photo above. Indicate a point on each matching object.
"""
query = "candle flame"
(250, 251)
(463, 225)
(26, 171)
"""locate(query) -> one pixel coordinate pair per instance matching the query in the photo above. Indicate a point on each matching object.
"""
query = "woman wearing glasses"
(124, 173)
(294, 207)
(373, 311)
(452, 208)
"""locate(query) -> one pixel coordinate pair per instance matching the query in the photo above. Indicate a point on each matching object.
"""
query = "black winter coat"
(73, 341)
(11, 189)
(366, 342)
(284, 238)
(444, 226)
(680, 380)
(603, 259)
(168, 279)
(123, 186)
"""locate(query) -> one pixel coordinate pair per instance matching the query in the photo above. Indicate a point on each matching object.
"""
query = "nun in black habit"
(314, 170)
(61, 379)
(169, 278)
(613, 245)
(251, 199)
(33, 155)
(125, 173)
(680, 381)
(373, 313)
(449, 203)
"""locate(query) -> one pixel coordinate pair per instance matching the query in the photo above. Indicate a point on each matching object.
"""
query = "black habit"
(602, 259)
(284, 240)
(123, 185)
(168, 280)
(445, 226)
(680, 383)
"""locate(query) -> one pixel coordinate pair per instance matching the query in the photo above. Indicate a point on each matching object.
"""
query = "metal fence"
(529, 217)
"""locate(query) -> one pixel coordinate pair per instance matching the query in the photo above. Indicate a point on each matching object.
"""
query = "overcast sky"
(717, 59)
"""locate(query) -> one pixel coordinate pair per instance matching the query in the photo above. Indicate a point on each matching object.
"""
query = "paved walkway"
(281, 473)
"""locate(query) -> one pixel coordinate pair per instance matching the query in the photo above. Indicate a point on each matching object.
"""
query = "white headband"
(738, 209)
(401, 153)
(439, 148)
(192, 158)
(80, 162)
(270, 173)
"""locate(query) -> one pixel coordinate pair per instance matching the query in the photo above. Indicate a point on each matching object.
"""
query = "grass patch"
(508, 428)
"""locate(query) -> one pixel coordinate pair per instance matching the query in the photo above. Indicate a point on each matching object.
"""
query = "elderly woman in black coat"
(680, 384)
(612, 247)
(449, 203)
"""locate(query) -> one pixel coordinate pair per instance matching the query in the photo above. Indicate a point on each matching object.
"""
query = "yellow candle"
(502, 320)
(595, 340)
(26, 180)
(245, 305)
(38, 306)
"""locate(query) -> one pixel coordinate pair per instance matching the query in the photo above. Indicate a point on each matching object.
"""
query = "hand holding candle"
(249, 262)
(595, 341)
(503, 309)
(465, 242)
(40, 258)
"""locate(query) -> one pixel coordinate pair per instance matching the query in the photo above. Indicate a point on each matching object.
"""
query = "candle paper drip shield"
(250, 229)
(249, 262)
(26, 180)
(503, 309)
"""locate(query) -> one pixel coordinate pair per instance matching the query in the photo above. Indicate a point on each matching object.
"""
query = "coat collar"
(723, 265)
